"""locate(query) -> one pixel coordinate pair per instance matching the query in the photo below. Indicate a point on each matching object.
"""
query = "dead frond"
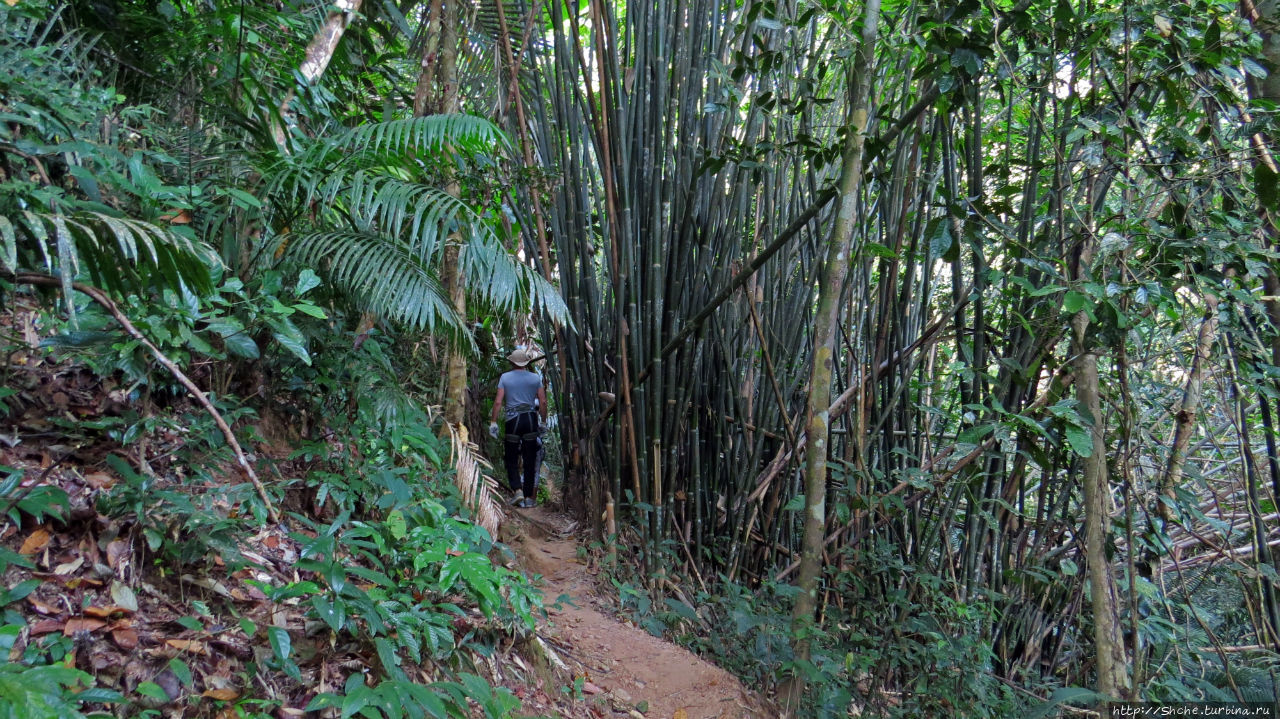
(479, 490)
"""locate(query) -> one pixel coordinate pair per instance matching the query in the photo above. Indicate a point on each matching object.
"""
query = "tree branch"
(97, 295)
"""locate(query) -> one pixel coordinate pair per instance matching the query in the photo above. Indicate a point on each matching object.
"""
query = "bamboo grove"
(1027, 248)
(1060, 305)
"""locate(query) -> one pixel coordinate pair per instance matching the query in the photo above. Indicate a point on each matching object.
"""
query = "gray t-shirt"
(520, 391)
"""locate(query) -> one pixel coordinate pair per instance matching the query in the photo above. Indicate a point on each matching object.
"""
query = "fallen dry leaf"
(66, 568)
(188, 645)
(105, 612)
(100, 480)
(589, 688)
(123, 596)
(75, 582)
(222, 695)
(82, 624)
(177, 216)
(680, 714)
(38, 540)
(116, 550)
(46, 626)
(125, 638)
(41, 607)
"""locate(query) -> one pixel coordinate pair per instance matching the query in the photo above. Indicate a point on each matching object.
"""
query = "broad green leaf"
(388, 657)
(1080, 440)
(396, 524)
(181, 671)
(282, 646)
(307, 280)
(290, 337)
(307, 308)
(1073, 302)
(240, 344)
(154, 691)
(331, 613)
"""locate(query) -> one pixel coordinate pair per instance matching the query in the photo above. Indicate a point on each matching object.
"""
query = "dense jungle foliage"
(910, 358)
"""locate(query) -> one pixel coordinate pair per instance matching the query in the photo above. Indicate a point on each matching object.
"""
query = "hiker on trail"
(523, 400)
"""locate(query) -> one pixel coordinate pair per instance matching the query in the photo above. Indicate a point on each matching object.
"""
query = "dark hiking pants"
(522, 446)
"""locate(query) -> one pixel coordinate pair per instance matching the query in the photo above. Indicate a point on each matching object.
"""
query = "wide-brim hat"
(520, 358)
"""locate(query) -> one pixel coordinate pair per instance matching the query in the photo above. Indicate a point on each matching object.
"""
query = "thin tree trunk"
(442, 76)
(1185, 418)
(319, 54)
(1113, 679)
(825, 336)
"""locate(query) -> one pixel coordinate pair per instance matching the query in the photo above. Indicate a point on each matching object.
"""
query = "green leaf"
(942, 245)
(684, 610)
(8, 245)
(356, 700)
(19, 591)
(290, 337)
(240, 344)
(795, 504)
(881, 251)
(153, 690)
(396, 524)
(389, 659)
(307, 308)
(331, 613)
(282, 645)
(1065, 695)
(1080, 440)
(244, 199)
(181, 671)
(307, 280)
(1073, 302)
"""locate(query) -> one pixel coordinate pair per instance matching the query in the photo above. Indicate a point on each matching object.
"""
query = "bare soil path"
(626, 666)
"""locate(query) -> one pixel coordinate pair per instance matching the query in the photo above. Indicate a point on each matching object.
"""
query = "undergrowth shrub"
(889, 651)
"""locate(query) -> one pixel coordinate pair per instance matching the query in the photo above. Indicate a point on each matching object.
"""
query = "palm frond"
(507, 285)
(479, 490)
(117, 254)
(432, 133)
(381, 390)
(381, 203)
(379, 273)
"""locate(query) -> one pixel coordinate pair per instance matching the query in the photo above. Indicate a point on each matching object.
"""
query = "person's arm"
(542, 403)
(497, 403)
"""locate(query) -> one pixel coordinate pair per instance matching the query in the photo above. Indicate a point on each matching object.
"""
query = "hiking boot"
(518, 499)
(527, 502)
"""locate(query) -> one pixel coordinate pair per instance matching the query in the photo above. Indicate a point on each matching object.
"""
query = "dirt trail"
(622, 661)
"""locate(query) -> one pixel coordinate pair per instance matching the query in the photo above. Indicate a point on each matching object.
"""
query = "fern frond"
(381, 274)
(479, 491)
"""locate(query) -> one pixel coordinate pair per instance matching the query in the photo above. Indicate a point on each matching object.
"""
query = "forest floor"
(621, 665)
